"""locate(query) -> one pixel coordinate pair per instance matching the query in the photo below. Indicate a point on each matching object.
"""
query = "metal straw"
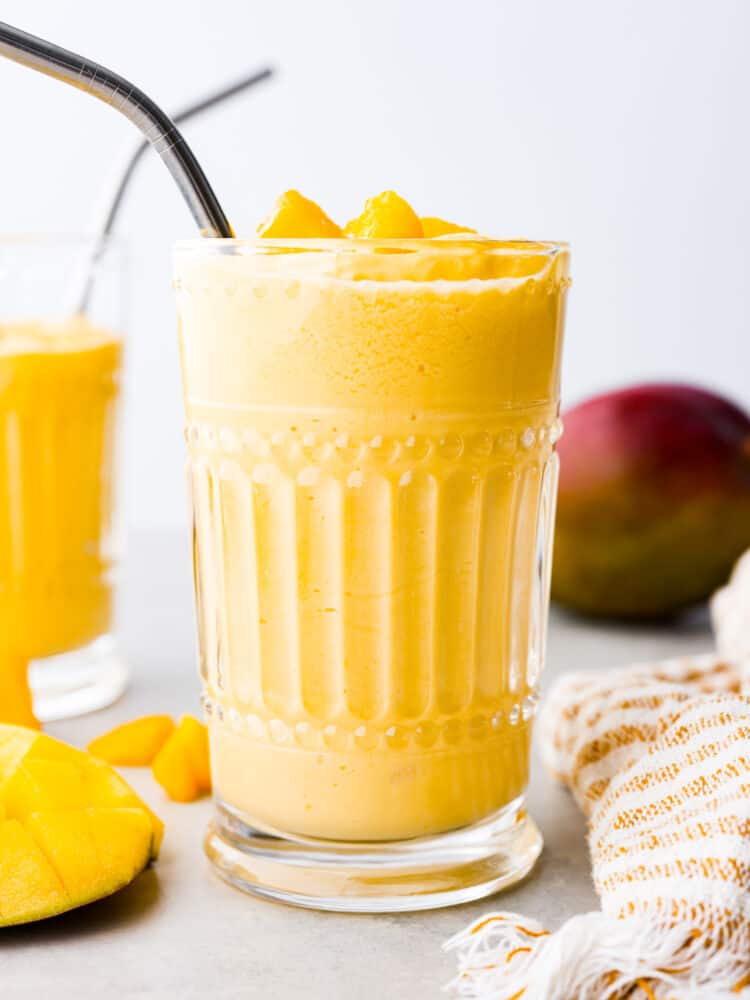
(115, 196)
(156, 126)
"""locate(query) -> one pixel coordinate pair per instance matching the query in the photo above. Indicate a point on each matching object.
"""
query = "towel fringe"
(593, 956)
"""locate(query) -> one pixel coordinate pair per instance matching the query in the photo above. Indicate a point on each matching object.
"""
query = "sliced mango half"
(71, 829)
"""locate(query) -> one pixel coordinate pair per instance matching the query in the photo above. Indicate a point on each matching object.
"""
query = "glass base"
(420, 874)
(81, 681)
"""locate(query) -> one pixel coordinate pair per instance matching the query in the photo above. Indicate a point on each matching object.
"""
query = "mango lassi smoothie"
(58, 395)
(371, 425)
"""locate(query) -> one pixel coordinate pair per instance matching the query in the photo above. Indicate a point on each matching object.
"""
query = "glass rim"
(352, 245)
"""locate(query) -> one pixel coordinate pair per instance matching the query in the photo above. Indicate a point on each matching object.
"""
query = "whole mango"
(654, 500)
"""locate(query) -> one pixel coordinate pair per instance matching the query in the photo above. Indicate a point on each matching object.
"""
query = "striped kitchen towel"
(658, 758)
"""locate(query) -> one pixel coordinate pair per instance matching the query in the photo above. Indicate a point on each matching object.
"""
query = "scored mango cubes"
(71, 829)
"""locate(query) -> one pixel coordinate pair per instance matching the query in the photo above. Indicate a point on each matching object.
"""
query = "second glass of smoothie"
(371, 428)
(60, 377)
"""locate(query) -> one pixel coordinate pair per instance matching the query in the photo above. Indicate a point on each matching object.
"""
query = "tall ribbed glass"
(371, 433)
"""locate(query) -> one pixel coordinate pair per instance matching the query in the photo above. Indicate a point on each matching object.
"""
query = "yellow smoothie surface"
(58, 391)
(371, 423)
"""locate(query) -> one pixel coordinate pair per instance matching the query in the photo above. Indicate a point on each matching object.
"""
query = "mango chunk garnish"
(15, 694)
(134, 743)
(386, 217)
(71, 829)
(294, 216)
(433, 226)
(182, 766)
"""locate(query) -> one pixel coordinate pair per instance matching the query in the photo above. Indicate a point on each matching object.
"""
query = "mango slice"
(182, 766)
(386, 216)
(134, 743)
(433, 226)
(196, 740)
(71, 829)
(15, 693)
(294, 216)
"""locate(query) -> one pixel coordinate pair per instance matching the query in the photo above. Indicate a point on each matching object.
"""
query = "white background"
(620, 126)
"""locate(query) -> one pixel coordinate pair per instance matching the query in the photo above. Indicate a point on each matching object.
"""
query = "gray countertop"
(179, 932)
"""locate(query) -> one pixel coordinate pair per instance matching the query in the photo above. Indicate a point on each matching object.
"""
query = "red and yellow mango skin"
(654, 500)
